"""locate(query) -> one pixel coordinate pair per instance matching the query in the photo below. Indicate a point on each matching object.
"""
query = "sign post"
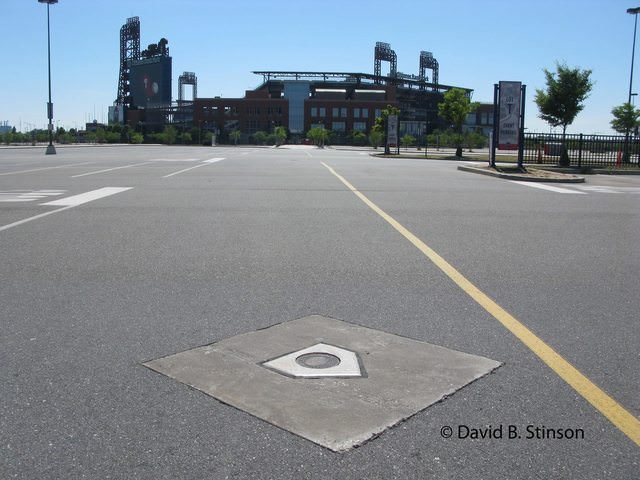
(508, 119)
(392, 132)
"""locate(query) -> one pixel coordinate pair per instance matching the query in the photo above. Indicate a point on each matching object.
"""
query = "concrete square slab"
(404, 376)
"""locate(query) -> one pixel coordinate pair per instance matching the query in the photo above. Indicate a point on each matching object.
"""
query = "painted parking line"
(609, 189)
(28, 195)
(203, 164)
(542, 186)
(109, 170)
(76, 200)
(605, 404)
(174, 160)
(44, 168)
(69, 202)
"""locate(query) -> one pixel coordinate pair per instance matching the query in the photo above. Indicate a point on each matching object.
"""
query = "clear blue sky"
(476, 42)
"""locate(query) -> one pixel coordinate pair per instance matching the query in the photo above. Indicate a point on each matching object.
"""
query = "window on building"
(339, 126)
(343, 112)
(378, 113)
(365, 113)
(323, 112)
(356, 113)
(335, 112)
(314, 111)
(359, 126)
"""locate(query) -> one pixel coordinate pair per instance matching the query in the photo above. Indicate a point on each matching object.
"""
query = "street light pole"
(634, 12)
(51, 150)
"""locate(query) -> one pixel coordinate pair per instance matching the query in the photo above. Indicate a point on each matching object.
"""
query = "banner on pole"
(392, 130)
(509, 103)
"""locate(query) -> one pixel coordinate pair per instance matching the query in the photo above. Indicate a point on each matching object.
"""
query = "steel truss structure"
(428, 61)
(383, 52)
(129, 50)
(187, 78)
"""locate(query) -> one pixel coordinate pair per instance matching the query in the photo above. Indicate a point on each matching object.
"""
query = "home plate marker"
(334, 383)
(318, 361)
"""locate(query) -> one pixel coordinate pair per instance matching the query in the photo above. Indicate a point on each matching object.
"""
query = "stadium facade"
(342, 102)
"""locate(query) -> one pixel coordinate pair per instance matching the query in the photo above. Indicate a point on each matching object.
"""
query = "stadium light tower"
(51, 150)
(634, 12)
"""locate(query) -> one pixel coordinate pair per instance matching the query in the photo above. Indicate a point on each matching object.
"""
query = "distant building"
(480, 121)
(94, 126)
(5, 127)
(342, 102)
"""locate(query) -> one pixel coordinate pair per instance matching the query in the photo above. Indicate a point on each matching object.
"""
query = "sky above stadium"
(476, 42)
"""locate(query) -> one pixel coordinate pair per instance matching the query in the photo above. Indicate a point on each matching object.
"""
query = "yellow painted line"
(612, 410)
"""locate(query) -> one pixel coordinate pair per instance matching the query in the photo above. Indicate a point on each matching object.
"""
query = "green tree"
(407, 140)
(59, 133)
(113, 137)
(474, 140)
(235, 136)
(318, 135)
(207, 137)
(564, 97)
(281, 135)
(455, 108)
(260, 137)
(358, 138)
(196, 134)
(136, 138)
(101, 135)
(625, 118)
(375, 137)
(186, 138)
(169, 134)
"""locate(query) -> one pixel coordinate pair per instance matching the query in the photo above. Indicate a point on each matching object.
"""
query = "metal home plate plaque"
(331, 382)
(318, 361)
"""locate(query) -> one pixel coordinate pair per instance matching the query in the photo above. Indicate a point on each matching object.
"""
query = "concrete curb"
(557, 178)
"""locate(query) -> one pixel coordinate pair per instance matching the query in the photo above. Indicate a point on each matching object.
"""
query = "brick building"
(341, 102)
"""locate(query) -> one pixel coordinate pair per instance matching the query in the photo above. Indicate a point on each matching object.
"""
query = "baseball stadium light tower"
(51, 150)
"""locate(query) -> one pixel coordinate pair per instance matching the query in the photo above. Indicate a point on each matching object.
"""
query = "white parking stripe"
(174, 160)
(204, 163)
(184, 170)
(548, 187)
(30, 219)
(108, 170)
(68, 203)
(44, 168)
(76, 200)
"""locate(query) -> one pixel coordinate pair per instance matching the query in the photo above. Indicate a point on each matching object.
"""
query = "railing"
(581, 150)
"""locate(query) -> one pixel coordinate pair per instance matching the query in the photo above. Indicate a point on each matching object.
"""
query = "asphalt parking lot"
(113, 257)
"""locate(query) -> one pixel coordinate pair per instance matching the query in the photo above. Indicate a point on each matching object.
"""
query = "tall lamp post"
(634, 12)
(51, 150)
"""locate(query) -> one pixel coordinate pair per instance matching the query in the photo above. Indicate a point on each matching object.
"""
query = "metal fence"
(582, 150)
